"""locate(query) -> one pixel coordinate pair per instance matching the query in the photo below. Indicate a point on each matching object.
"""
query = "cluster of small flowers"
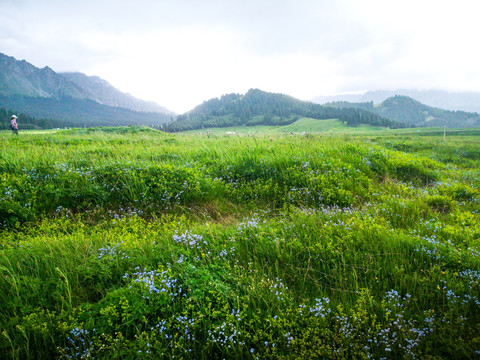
(398, 335)
(266, 343)
(186, 324)
(281, 240)
(432, 240)
(289, 338)
(192, 241)
(394, 299)
(467, 298)
(65, 167)
(339, 223)
(115, 187)
(347, 329)
(472, 275)
(366, 161)
(301, 195)
(328, 210)
(433, 249)
(122, 213)
(156, 282)
(224, 253)
(61, 210)
(167, 199)
(249, 223)
(388, 338)
(474, 252)
(227, 175)
(225, 335)
(160, 326)
(113, 252)
(431, 224)
(78, 345)
(320, 308)
(9, 194)
(333, 210)
(146, 351)
(278, 288)
(431, 253)
(33, 175)
(340, 170)
(236, 314)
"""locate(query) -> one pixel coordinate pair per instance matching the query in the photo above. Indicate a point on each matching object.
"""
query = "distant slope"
(329, 125)
(446, 100)
(85, 113)
(104, 93)
(411, 112)
(43, 93)
(258, 107)
(454, 101)
(301, 126)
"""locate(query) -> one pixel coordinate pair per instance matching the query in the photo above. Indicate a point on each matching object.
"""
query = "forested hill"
(258, 107)
(413, 113)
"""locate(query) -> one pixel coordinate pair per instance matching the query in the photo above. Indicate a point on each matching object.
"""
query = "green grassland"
(129, 243)
(329, 127)
(307, 125)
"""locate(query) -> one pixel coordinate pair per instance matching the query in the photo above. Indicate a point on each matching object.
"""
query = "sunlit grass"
(138, 244)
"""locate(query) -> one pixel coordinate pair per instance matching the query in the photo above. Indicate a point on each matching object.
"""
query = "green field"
(307, 125)
(329, 127)
(129, 243)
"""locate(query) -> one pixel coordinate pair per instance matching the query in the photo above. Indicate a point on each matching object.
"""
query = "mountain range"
(102, 92)
(413, 113)
(463, 101)
(258, 107)
(45, 99)
(72, 97)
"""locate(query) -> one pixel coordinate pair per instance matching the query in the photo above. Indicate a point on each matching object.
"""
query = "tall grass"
(142, 245)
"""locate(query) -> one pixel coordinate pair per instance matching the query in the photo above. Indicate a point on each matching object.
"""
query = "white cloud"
(181, 53)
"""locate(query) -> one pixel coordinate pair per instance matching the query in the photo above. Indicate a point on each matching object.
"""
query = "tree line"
(27, 122)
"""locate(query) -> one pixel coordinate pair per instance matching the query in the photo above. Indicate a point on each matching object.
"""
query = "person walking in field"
(14, 125)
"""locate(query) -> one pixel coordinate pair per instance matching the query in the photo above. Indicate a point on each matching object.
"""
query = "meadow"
(129, 243)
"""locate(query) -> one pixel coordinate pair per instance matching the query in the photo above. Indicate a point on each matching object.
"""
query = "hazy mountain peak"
(442, 99)
(405, 109)
(20, 78)
(103, 92)
(23, 78)
(89, 101)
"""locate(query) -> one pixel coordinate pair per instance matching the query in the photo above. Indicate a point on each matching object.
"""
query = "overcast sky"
(179, 53)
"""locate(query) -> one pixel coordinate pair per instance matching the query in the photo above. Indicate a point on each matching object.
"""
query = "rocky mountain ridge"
(20, 78)
(23, 78)
(102, 92)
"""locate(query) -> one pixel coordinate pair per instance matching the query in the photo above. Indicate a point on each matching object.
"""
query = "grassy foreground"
(131, 243)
